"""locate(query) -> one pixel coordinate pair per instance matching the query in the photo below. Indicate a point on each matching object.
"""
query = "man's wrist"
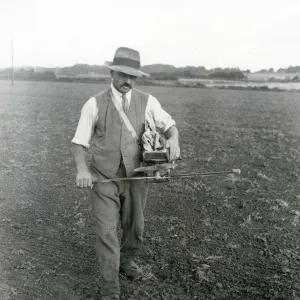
(82, 168)
(173, 138)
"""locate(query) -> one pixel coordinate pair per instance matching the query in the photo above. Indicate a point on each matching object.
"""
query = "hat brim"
(126, 70)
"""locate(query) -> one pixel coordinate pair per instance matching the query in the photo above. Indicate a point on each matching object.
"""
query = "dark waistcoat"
(112, 142)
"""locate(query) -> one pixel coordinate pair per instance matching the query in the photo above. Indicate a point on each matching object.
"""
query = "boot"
(131, 269)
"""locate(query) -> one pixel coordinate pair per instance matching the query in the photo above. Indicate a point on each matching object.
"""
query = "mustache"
(127, 85)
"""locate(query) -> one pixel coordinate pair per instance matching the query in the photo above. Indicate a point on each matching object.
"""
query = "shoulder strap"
(124, 117)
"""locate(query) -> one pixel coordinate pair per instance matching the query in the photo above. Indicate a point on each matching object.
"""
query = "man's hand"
(85, 179)
(174, 149)
(172, 136)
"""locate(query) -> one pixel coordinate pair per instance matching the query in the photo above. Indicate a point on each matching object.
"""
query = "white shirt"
(154, 114)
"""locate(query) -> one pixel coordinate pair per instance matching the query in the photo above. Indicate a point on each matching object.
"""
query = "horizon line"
(195, 66)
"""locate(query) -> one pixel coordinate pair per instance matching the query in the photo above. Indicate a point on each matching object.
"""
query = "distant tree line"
(233, 75)
(295, 69)
(29, 74)
(286, 79)
(91, 73)
(48, 75)
(225, 75)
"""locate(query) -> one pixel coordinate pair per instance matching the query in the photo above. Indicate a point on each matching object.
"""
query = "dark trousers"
(124, 199)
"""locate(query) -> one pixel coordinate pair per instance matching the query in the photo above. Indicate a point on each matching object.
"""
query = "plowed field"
(206, 238)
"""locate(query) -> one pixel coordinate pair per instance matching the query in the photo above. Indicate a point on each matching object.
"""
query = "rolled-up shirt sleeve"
(155, 113)
(86, 124)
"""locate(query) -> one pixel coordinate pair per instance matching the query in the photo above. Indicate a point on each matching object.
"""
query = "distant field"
(266, 76)
(206, 238)
(230, 83)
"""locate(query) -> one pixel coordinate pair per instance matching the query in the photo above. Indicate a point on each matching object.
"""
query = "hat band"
(122, 61)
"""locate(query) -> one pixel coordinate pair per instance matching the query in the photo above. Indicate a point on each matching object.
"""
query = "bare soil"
(206, 238)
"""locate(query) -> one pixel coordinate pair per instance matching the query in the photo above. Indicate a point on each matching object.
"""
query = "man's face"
(122, 82)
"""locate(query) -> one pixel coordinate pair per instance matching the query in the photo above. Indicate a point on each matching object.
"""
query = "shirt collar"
(117, 94)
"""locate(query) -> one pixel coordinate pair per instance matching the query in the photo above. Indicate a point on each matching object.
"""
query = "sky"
(251, 35)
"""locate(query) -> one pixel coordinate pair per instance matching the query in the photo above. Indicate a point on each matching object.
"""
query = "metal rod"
(126, 178)
(234, 171)
(205, 174)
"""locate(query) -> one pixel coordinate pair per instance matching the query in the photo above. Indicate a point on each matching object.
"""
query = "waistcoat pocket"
(99, 135)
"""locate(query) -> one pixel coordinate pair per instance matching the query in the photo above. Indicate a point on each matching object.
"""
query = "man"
(116, 153)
